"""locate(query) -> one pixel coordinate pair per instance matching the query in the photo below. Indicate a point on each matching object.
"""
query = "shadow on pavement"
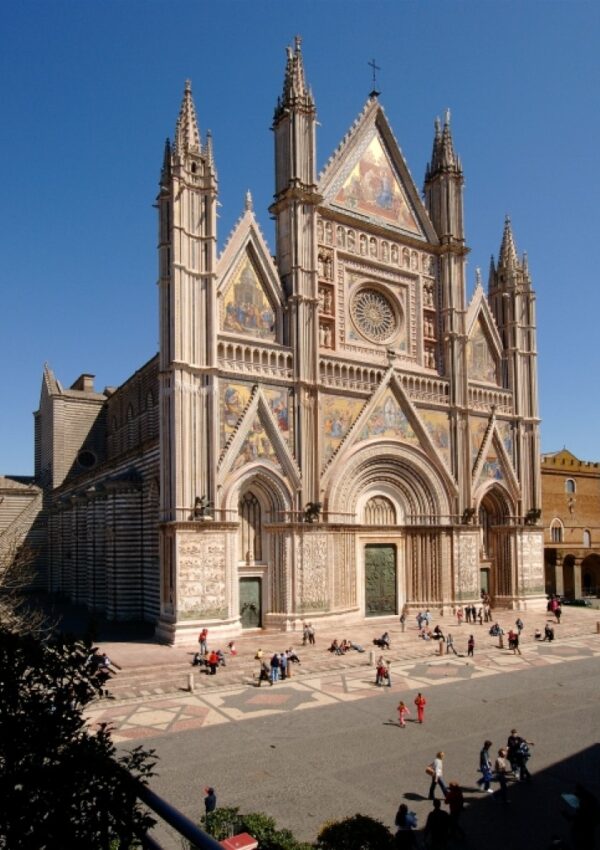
(535, 816)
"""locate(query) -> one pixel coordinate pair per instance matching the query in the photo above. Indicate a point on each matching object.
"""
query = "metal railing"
(176, 819)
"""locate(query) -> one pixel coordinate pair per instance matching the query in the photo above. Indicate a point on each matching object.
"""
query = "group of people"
(211, 659)
(344, 646)
(308, 634)
(404, 712)
(279, 667)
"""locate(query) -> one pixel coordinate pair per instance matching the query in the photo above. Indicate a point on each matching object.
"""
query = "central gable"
(367, 178)
(372, 188)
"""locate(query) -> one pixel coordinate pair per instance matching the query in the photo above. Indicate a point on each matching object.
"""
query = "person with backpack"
(519, 754)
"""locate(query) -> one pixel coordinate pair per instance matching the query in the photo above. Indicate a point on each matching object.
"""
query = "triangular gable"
(368, 178)
(493, 463)
(234, 397)
(390, 415)
(258, 440)
(250, 293)
(484, 346)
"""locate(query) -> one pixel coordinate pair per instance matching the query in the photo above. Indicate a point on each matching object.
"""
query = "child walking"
(403, 712)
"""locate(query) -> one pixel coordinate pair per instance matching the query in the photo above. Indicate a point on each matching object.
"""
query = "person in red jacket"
(420, 702)
(213, 662)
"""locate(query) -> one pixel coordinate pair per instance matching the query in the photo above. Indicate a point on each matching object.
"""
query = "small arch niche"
(379, 510)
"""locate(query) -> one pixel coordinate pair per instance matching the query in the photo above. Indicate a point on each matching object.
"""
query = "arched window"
(587, 538)
(380, 511)
(569, 486)
(556, 531)
(250, 534)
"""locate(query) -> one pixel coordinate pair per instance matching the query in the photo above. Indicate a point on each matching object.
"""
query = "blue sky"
(90, 90)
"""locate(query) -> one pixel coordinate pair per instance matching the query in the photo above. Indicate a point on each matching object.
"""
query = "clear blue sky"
(91, 89)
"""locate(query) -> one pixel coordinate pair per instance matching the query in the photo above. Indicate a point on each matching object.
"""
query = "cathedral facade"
(330, 433)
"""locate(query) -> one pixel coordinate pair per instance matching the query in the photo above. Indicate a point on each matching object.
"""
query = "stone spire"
(295, 91)
(492, 273)
(187, 134)
(508, 257)
(249, 204)
(165, 173)
(443, 157)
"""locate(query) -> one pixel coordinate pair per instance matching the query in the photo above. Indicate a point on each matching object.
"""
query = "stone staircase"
(157, 677)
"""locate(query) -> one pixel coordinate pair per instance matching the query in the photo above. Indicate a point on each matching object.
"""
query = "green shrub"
(225, 822)
(355, 833)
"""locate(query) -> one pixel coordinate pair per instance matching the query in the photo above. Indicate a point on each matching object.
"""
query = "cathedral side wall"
(103, 534)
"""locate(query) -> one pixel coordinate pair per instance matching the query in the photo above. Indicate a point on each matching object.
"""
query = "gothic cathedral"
(332, 433)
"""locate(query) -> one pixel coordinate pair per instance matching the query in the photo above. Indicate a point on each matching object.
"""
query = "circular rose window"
(373, 315)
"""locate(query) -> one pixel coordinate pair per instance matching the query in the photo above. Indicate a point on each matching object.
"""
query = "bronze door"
(380, 580)
(250, 603)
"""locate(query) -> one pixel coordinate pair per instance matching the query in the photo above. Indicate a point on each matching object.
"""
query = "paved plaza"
(326, 744)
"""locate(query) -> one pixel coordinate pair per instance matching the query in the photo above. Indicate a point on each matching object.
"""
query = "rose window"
(373, 315)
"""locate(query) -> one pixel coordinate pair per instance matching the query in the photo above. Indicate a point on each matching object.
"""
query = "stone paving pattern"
(142, 708)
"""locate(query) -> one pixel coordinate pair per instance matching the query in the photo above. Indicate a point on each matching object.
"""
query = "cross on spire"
(374, 68)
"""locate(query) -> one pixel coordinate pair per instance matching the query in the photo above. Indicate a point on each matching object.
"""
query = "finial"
(249, 205)
(438, 125)
(298, 43)
(374, 68)
(448, 117)
(188, 86)
(478, 276)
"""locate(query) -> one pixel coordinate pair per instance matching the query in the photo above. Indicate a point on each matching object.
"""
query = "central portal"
(380, 580)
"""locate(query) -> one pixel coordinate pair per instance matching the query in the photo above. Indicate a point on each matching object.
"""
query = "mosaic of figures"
(477, 428)
(388, 420)
(338, 416)
(256, 446)
(356, 242)
(506, 435)
(235, 397)
(491, 468)
(372, 188)
(481, 363)
(437, 426)
(247, 309)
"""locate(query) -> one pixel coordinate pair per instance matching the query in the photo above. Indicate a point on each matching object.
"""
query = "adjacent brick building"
(571, 518)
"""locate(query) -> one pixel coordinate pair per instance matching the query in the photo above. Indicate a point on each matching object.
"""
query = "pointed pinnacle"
(477, 277)
(508, 252)
(492, 273)
(295, 89)
(187, 134)
(166, 164)
(249, 204)
(443, 157)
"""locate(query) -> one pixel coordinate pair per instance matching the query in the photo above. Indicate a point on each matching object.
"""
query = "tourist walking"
(420, 702)
(485, 767)
(403, 713)
(405, 821)
(202, 641)
(311, 634)
(274, 668)
(437, 827)
(502, 768)
(515, 643)
(470, 646)
(264, 674)
(210, 800)
(283, 665)
(519, 754)
(436, 771)
(450, 644)
(456, 802)
(459, 616)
